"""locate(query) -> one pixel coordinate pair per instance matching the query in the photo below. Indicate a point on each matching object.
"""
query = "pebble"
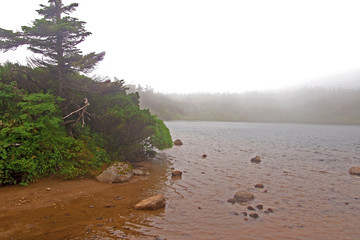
(234, 213)
(91, 206)
(204, 155)
(259, 185)
(109, 206)
(231, 200)
(250, 208)
(48, 189)
(244, 213)
(254, 215)
(259, 206)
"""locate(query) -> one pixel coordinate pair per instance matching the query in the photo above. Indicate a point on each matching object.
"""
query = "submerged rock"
(259, 206)
(354, 171)
(244, 196)
(256, 159)
(117, 173)
(140, 172)
(178, 142)
(151, 203)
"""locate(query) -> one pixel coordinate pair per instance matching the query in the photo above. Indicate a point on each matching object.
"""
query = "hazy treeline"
(307, 105)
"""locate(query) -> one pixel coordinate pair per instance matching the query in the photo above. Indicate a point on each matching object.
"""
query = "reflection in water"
(303, 170)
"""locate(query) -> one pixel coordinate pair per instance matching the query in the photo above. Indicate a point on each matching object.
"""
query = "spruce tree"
(55, 36)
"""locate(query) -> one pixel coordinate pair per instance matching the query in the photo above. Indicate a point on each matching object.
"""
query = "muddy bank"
(79, 209)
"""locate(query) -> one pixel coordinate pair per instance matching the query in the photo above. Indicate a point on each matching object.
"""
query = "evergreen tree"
(55, 36)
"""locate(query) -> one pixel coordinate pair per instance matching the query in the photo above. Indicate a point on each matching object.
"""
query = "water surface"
(304, 169)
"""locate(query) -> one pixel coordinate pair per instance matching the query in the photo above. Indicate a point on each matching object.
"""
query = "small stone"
(254, 215)
(199, 208)
(231, 200)
(48, 189)
(109, 206)
(178, 142)
(259, 185)
(176, 173)
(246, 219)
(354, 171)
(256, 159)
(202, 172)
(204, 156)
(270, 210)
(91, 206)
(250, 208)
(260, 206)
(117, 198)
(265, 191)
(99, 218)
(244, 213)
(234, 213)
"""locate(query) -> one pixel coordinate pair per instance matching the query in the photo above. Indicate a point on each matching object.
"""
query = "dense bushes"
(35, 141)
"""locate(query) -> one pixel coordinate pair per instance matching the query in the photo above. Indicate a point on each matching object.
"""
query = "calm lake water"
(304, 169)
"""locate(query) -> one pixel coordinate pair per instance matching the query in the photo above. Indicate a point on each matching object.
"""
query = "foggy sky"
(212, 46)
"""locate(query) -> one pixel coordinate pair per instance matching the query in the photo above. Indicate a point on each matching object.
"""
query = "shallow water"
(304, 169)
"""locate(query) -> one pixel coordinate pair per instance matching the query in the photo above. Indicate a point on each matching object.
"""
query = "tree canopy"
(55, 37)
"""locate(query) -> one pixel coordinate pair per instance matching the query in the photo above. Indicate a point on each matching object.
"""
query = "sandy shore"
(78, 209)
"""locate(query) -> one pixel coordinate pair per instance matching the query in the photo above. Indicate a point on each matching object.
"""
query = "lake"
(304, 170)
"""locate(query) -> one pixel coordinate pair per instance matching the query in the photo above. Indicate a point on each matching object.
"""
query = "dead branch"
(81, 111)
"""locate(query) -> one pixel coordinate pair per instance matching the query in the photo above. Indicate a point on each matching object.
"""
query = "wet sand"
(79, 209)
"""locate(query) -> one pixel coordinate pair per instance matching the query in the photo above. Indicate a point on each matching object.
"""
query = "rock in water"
(178, 142)
(256, 159)
(354, 171)
(151, 203)
(117, 173)
(244, 196)
(176, 173)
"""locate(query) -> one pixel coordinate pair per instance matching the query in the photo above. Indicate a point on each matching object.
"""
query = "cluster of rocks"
(119, 172)
(243, 197)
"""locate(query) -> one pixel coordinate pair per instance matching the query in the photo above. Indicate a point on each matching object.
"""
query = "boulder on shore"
(119, 172)
(151, 203)
(354, 171)
(178, 142)
(244, 196)
(256, 159)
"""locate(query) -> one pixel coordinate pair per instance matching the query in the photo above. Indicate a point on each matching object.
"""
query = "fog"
(306, 105)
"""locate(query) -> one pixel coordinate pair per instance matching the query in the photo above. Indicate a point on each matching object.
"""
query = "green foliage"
(32, 142)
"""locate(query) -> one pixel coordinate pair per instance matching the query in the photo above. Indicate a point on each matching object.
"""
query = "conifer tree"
(55, 37)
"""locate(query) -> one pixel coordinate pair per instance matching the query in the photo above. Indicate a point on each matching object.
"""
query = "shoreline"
(76, 209)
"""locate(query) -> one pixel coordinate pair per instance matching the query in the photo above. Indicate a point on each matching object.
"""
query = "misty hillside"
(308, 105)
(347, 80)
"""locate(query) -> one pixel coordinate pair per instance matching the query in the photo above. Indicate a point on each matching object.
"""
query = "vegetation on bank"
(56, 121)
